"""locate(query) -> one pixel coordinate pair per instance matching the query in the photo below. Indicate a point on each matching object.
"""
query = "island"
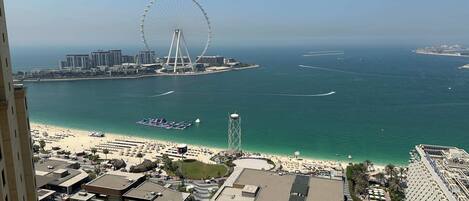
(112, 64)
(445, 50)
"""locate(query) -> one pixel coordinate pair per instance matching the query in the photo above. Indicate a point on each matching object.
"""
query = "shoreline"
(289, 163)
(141, 76)
(441, 54)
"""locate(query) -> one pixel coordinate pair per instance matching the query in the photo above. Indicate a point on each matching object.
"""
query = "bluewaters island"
(112, 64)
(445, 50)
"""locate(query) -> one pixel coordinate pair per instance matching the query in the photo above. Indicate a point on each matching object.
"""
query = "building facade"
(438, 173)
(146, 57)
(211, 60)
(115, 58)
(78, 61)
(100, 58)
(16, 165)
(128, 59)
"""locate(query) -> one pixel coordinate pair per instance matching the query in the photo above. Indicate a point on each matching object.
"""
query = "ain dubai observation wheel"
(187, 22)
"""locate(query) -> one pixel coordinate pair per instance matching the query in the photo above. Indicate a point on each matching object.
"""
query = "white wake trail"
(163, 94)
(329, 69)
(305, 95)
(323, 54)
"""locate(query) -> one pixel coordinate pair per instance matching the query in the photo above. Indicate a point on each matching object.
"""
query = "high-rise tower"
(16, 166)
(234, 134)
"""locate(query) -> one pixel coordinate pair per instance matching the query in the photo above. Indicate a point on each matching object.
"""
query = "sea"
(372, 103)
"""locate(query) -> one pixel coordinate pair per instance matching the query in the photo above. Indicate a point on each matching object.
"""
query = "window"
(18, 155)
(4, 39)
(15, 133)
(9, 86)
(6, 62)
(12, 112)
(26, 103)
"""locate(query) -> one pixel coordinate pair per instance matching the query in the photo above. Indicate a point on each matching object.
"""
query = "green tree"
(97, 170)
(36, 148)
(358, 178)
(42, 144)
(106, 152)
(381, 178)
(140, 156)
(402, 171)
(94, 150)
(396, 191)
(168, 163)
(368, 164)
(390, 170)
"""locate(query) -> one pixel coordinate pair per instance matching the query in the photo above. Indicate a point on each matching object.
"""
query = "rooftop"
(43, 194)
(82, 196)
(259, 185)
(50, 165)
(58, 172)
(450, 165)
(151, 191)
(116, 180)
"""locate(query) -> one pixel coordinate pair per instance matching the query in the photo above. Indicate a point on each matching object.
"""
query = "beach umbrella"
(297, 154)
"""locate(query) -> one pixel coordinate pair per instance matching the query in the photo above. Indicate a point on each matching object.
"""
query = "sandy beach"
(127, 147)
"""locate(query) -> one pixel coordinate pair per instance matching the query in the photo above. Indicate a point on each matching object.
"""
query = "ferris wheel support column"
(187, 52)
(178, 37)
(171, 49)
(178, 44)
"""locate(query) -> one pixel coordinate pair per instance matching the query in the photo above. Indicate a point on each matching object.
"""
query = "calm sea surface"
(386, 101)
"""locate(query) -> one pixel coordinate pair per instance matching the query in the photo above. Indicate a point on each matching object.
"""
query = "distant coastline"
(140, 76)
(441, 54)
(444, 50)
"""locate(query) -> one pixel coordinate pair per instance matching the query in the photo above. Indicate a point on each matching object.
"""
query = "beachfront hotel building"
(438, 173)
(16, 165)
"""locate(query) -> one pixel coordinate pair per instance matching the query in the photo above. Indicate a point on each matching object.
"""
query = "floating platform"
(163, 123)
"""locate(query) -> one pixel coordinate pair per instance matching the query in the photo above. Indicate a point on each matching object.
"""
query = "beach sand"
(126, 147)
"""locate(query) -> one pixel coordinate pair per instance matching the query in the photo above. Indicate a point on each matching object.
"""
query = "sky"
(115, 23)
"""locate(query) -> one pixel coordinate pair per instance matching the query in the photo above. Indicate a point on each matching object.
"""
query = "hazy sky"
(83, 23)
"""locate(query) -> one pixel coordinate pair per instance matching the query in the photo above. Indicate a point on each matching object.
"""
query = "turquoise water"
(387, 100)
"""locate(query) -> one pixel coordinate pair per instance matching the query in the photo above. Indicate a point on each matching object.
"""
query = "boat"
(163, 123)
(96, 134)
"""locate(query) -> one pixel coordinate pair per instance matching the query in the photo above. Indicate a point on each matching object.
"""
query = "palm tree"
(368, 164)
(42, 144)
(140, 156)
(106, 152)
(94, 150)
(380, 177)
(390, 170)
(402, 171)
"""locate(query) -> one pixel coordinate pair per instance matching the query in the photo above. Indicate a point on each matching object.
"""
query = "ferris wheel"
(173, 13)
